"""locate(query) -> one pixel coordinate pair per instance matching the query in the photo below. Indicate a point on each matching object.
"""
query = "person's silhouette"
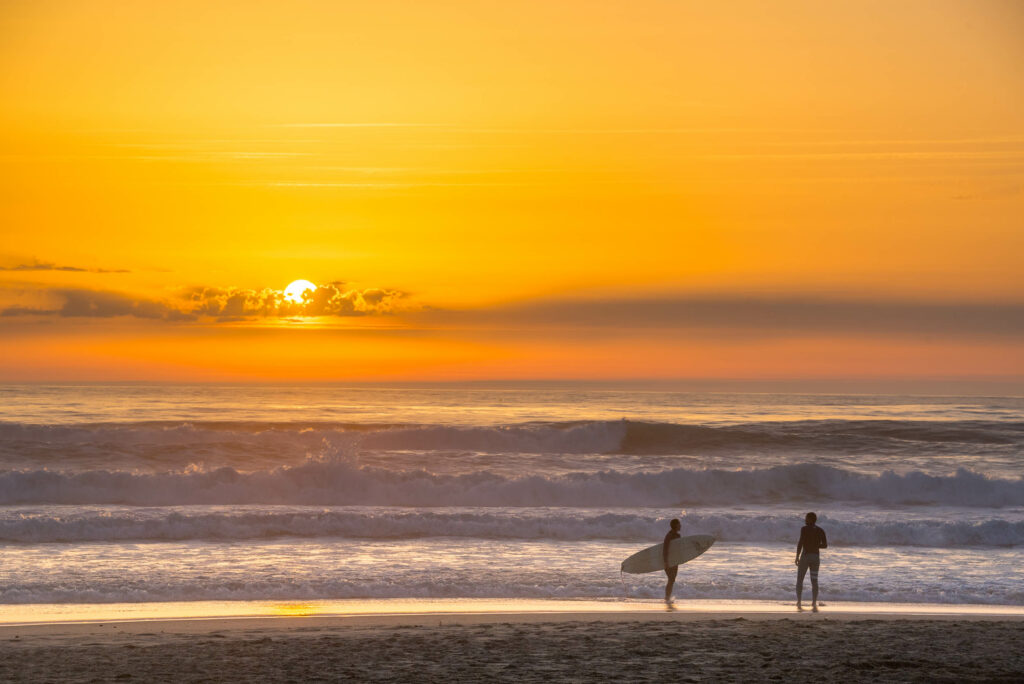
(812, 540)
(671, 571)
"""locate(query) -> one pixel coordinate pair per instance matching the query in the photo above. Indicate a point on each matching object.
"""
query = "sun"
(295, 290)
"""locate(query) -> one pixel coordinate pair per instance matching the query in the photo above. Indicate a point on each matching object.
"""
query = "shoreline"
(610, 646)
(214, 615)
(157, 630)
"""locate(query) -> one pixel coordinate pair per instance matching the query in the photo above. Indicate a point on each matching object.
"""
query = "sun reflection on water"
(294, 609)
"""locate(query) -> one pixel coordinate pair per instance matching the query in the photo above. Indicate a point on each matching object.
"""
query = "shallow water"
(174, 493)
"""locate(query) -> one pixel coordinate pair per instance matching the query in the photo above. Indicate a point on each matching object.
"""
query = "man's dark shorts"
(811, 561)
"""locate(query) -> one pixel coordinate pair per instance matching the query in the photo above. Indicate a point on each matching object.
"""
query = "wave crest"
(184, 524)
(344, 483)
(235, 438)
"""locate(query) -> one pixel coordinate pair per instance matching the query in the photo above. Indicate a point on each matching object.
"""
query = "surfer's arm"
(799, 547)
(823, 542)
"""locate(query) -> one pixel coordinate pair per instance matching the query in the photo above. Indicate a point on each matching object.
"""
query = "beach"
(686, 646)
(139, 494)
(226, 534)
(460, 341)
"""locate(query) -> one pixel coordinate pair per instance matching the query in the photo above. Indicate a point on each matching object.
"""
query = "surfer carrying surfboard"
(812, 540)
(670, 570)
(668, 556)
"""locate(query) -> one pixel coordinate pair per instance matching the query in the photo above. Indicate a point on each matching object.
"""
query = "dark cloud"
(219, 304)
(25, 311)
(326, 300)
(46, 266)
(754, 316)
(78, 303)
(724, 316)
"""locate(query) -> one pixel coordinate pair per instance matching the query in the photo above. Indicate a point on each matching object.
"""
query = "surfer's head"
(810, 518)
(675, 524)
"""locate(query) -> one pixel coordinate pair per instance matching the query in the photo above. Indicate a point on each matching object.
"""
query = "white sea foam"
(156, 439)
(845, 528)
(325, 492)
(341, 482)
(301, 569)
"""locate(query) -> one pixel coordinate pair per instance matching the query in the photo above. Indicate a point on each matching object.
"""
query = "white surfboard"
(679, 551)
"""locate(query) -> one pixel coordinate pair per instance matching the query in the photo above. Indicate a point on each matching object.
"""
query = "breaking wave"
(160, 446)
(206, 523)
(599, 436)
(345, 483)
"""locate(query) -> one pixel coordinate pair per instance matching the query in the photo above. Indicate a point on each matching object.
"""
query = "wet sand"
(656, 646)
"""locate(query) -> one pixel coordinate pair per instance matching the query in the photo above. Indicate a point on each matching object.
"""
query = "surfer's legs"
(671, 572)
(813, 563)
(800, 572)
(809, 561)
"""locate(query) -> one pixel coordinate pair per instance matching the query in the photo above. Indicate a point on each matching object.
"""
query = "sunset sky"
(511, 190)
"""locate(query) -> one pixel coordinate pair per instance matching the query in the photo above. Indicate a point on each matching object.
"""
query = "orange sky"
(511, 190)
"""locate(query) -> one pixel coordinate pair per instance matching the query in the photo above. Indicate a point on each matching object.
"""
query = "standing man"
(812, 540)
(671, 571)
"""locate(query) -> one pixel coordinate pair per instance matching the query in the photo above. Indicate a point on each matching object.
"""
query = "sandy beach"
(657, 646)
(548, 341)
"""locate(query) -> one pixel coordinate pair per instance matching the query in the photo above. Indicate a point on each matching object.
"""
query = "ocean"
(151, 493)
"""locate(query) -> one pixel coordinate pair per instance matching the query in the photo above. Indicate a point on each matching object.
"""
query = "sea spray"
(342, 482)
(63, 524)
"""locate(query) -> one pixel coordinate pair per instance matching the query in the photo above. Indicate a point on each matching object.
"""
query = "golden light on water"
(294, 609)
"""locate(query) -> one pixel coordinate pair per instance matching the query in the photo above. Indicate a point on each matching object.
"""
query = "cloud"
(372, 124)
(47, 266)
(219, 304)
(12, 311)
(80, 303)
(326, 300)
(722, 316)
(1011, 155)
(752, 316)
